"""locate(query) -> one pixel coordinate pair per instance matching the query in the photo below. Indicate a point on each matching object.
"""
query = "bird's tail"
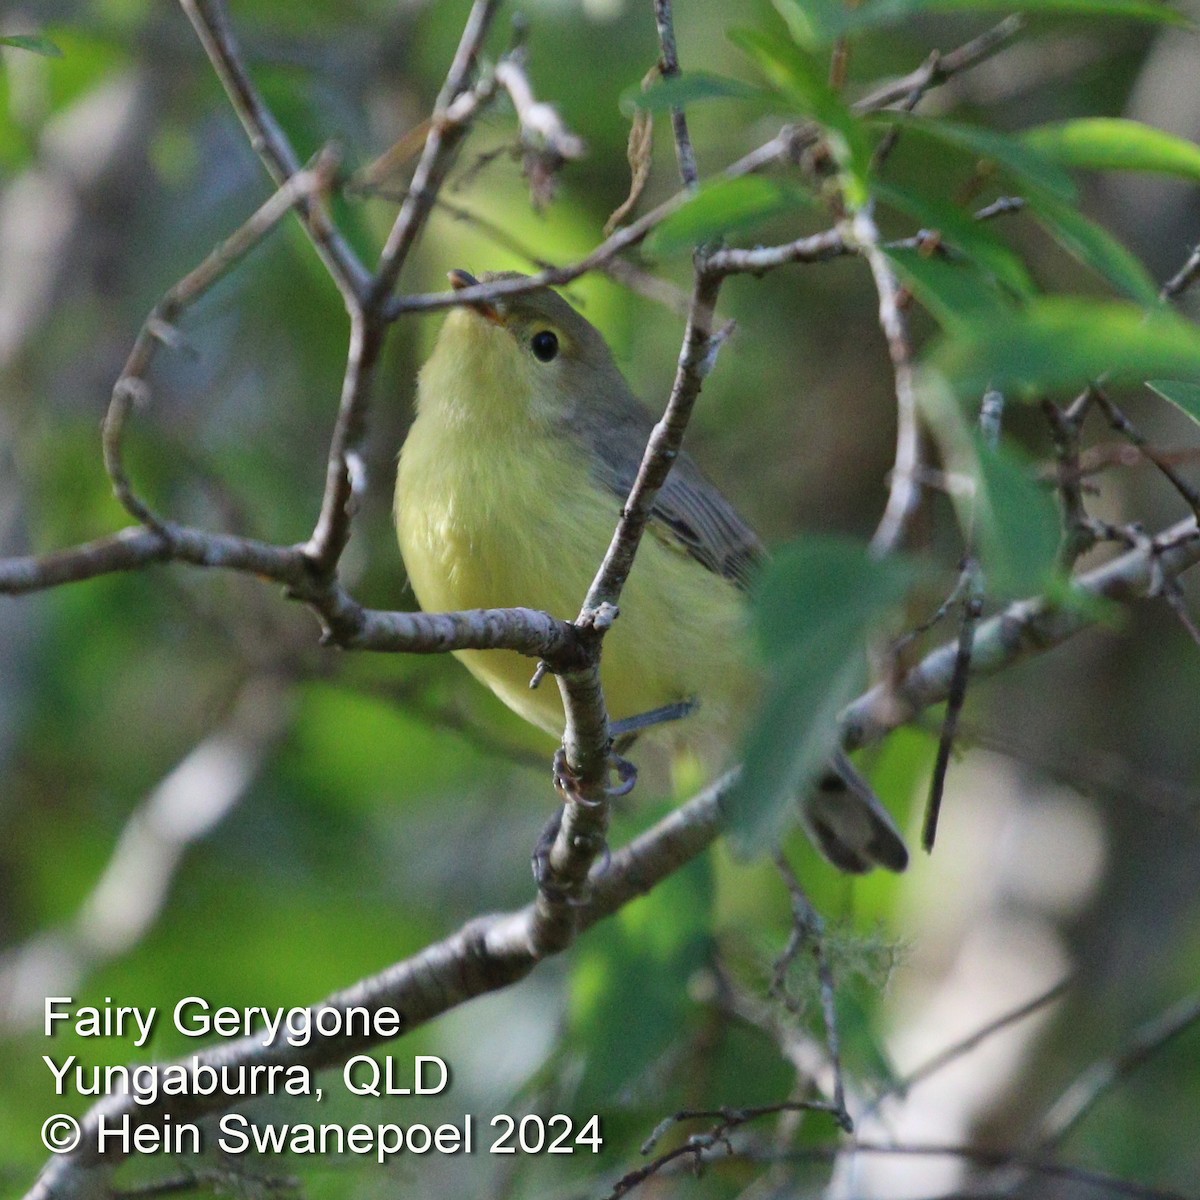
(848, 824)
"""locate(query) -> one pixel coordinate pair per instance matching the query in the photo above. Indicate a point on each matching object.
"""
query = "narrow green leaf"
(688, 89)
(1095, 248)
(1017, 521)
(1064, 342)
(816, 23)
(816, 606)
(1185, 396)
(1032, 169)
(802, 80)
(973, 238)
(953, 292)
(33, 43)
(1113, 144)
(724, 207)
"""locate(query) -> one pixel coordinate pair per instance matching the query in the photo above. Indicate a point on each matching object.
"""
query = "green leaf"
(1112, 144)
(1185, 396)
(961, 230)
(1096, 248)
(1035, 171)
(814, 610)
(1064, 342)
(953, 292)
(802, 80)
(816, 23)
(724, 207)
(688, 89)
(1017, 522)
(33, 43)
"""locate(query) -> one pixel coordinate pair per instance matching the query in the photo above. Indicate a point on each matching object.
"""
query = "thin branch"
(131, 388)
(211, 23)
(1123, 425)
(699, 1145)
(904, 492)
(952, 63)
(445, 133)
(1183, 278)
(341, 497)
(925, 76)
(808, 929)
(816, 248)
(1078, 535)
(950, 1054)
(956, 697)
(685, 153)
(447, 127)
(1101, 1077)
(1002, 207)
(586, 736)
(695, 361)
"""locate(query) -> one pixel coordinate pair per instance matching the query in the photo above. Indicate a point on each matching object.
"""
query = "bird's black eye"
(544, 344)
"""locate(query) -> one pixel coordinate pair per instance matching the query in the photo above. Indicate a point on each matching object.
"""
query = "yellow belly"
(494, 523)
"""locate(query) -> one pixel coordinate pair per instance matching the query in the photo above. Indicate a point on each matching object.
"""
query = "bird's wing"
(689, 512)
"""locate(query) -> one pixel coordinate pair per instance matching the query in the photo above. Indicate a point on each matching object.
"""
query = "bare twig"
(131, 388)
(716, 1138)
(1183, 278)
(1002, 207)
(924, 80)
(445, 133)
(695, 362)
(211, 23)
(1123, 425)
(956, 697)
(952, 63)
(684, 151)
(1078, 535)
(943, 1058)
(904, 492)
(1101, 1077)
(808, 929)
(818, 247)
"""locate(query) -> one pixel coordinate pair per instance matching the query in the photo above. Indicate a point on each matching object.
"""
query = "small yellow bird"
(526, 442)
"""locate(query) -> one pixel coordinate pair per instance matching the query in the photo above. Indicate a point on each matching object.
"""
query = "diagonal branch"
(446, 130)
(211, 23)
(131, 388)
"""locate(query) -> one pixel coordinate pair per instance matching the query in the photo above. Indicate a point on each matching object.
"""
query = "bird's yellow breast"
(495, 510)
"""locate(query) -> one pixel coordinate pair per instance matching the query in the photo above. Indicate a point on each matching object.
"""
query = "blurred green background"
(197, 799)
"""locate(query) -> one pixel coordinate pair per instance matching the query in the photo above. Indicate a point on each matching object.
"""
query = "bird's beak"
(464, 279)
